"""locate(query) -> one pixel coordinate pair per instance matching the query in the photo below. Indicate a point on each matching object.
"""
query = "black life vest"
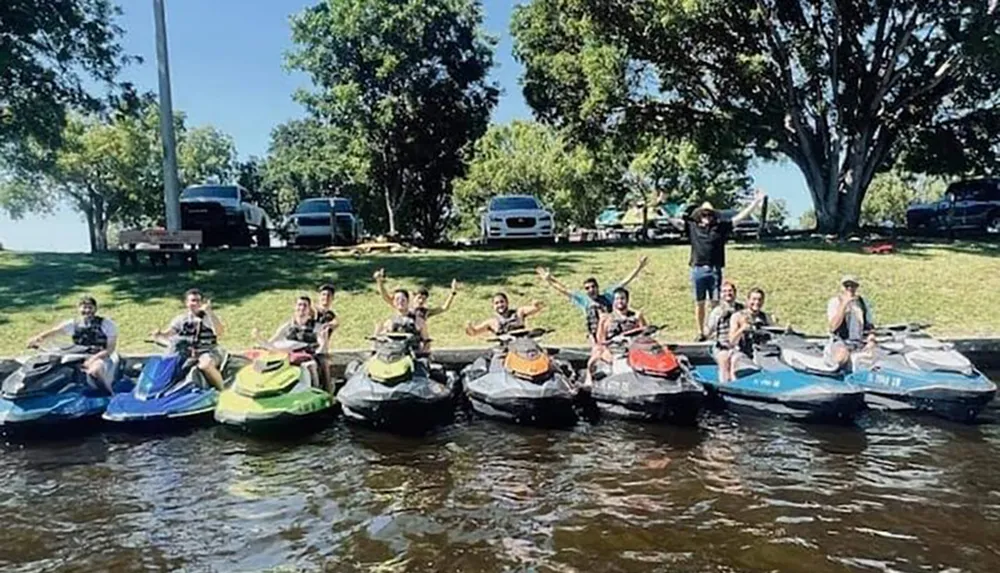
(747, 341)
(206, 336)
(722, 327)
(844, 333)
(619, 324)
(90, 334)
(508, 320)
(598, 305)
(420, 312)
(305, 332)
(325, 317)
(405, 323)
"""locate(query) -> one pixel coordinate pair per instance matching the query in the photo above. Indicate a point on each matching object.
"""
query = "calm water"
(741, 494)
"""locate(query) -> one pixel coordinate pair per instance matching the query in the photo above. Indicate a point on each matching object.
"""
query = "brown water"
(897, 493)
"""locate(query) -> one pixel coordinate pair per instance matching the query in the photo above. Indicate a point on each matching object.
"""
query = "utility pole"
(170, 183)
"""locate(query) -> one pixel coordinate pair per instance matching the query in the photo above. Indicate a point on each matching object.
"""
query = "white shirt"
(854, 317)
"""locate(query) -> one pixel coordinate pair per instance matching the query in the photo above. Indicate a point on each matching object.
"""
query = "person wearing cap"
(591, 300)
(850, 321)
(97, 334)
(708, 235)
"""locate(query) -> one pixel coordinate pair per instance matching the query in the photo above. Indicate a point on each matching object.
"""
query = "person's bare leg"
(722, 360)
(97, 371)
(699, 317)
(211, 372)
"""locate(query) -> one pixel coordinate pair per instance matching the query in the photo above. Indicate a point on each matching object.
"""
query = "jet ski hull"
(411, 406)
(301, 410)
(952, 396)
(502, 396)
(189, 408)
(638, 397)
(786, 393)
(51, 411)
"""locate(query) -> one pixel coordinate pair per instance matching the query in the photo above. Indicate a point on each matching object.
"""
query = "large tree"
(109, 169)
(407, 80)
(49, 50)
(838, 86)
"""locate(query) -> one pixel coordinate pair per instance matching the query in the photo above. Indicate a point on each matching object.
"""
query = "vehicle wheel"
(263, 236)
(993, 227)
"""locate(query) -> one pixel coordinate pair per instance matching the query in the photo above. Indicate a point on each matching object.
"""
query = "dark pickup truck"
(972, 205)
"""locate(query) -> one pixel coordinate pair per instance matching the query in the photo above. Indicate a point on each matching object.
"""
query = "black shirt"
(708, 244)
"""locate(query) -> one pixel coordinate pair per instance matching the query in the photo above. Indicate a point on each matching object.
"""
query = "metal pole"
(170, 184)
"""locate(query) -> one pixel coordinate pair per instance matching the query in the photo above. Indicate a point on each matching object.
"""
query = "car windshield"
(321, 206)
(342, 206)
(512, 203)
(210, 192)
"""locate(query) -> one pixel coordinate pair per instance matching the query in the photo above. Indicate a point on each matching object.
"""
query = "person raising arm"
(505, 319)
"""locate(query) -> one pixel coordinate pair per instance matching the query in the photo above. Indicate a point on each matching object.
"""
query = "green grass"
(956, 287)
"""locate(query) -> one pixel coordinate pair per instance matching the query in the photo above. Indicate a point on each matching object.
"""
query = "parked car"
(972, 205)
(516, 217)
(224, 215)
(324, 220)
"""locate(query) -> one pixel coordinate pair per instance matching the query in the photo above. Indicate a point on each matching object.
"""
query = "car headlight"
(546, 217)
(495, 219)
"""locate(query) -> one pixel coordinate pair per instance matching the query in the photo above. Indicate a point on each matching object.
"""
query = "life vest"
(597, 306)
(325, 317)
(305, 333)
(90, 334)
(507, 321)
(844, 333)
(405, 323)
(722, 327)
(621, 323)
(746, 342)
(420, 312)
(206, 336)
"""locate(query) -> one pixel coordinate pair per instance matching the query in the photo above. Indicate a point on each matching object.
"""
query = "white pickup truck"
(224, 215)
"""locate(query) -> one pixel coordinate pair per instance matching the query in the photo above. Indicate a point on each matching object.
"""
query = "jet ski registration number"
(886, 380)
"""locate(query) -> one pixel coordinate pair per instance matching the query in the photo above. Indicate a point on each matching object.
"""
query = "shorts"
(850, 345)
(216, 354)
(717, 348)
(706, 282)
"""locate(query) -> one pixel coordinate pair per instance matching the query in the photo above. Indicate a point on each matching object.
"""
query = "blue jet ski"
(910, 370)
(170, 389)
(49, 390)
(787, 377)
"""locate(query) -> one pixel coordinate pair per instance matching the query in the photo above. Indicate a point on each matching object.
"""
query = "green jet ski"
(276, 393)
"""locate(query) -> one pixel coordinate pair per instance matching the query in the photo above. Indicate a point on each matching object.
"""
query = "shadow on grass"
(910, 248)
(42, 279)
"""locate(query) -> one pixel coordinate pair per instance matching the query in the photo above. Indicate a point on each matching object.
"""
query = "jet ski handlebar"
(521, 333)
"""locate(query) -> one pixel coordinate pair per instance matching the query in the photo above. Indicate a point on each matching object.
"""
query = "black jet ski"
(646, 381)
(397, 389)
(519, 381)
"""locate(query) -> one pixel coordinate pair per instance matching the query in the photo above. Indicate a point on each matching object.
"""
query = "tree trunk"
(390, 212)
(91, 229)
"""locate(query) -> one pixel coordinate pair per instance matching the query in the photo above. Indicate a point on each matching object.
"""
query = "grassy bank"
(956, 287)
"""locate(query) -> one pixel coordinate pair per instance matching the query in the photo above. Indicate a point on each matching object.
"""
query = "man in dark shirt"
(708, 235)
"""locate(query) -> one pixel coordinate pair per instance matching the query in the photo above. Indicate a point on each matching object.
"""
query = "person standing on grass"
(850, 320)
(717, 329)
(97, 334)
(591, 300)
(202, 324)
(708, 234)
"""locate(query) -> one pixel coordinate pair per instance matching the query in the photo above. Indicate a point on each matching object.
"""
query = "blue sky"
(226, 69)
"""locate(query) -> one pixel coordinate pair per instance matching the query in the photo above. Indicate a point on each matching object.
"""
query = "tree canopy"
(841, 87)
(406, 82)
(48, 49)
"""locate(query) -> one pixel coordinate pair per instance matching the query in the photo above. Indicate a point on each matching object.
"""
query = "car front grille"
(320, 221)
(520, 222)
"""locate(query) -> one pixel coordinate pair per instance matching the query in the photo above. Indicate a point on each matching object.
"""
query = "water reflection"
(739, 493)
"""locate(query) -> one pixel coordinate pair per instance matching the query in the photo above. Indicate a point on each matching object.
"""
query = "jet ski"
(275, 392)
(396, 389)
(49, 389)
(170, 389)
(646, 381)
(910, 370)
(521, 382)
(787, 377)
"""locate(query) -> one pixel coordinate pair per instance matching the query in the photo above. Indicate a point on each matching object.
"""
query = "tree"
(777, 213)
(406, 81)
(206, 154)
(531, 159)
(841, 87)
(48, 51)
(109, 168)
(679, 169)
(807, 220)
(892, 192)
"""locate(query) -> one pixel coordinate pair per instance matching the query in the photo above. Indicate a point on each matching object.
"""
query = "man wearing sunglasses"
(591, 300)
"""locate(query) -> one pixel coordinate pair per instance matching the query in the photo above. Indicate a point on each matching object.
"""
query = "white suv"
(516, 217)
